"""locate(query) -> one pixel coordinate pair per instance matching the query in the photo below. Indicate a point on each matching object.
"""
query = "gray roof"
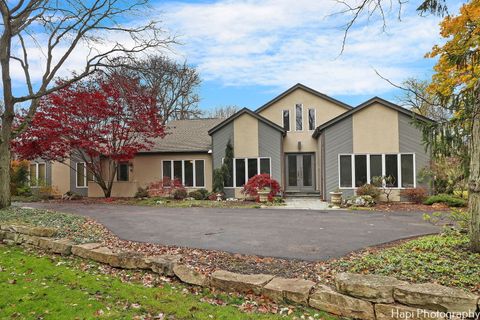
(186, 136)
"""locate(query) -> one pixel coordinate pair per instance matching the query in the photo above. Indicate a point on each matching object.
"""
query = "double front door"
(300, 172)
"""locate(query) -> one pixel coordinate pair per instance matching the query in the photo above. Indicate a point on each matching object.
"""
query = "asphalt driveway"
(282, 233)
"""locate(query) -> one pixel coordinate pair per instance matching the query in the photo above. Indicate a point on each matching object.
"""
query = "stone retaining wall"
(355, 296)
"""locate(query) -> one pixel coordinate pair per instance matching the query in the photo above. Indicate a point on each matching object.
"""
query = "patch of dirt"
(408, 206)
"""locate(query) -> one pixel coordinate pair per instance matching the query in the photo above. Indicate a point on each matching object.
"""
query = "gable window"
(38, 174)
(298, 117)
(311, 119)
(84, 175)
(355, 170)
(245, 168)
(191, 173)
(286, 119)
(123, 170)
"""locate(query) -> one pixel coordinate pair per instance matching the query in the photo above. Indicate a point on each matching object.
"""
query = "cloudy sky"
(248, 51)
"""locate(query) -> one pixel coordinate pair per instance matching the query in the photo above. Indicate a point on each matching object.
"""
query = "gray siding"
(74, 159)
(219, 142)
(411, 141)
(338, 139)
(270, 145)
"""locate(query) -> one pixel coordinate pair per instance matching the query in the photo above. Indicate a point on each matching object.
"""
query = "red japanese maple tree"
(103, 120)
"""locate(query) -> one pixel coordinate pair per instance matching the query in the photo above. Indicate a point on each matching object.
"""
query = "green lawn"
(443, 258)
(51, 287)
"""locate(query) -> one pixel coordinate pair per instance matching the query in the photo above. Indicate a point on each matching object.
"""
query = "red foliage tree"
(260, 182)
(103, 120)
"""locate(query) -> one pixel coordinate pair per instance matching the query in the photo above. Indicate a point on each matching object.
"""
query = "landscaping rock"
(326, 299)
(105, 255)
(133, 260)
(229, 281)
(31, 231)
(295, 290)
(190, 276)
(378, 289)
(436, 297)
(397, 311)
(83, 250)
(60, 246)
(163, 264)
(2, 235)
(31, 240)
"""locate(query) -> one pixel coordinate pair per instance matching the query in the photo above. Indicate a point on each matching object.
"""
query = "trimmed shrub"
(261, 182)
(449, 200)
(369, 190)
(164, 188)
(141, 193)
(179, 194)
(196, 194)
(415, 195)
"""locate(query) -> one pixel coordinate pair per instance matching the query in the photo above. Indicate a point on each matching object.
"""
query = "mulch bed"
(408, 206)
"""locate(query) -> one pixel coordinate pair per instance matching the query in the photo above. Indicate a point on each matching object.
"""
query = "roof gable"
(366, 104)
(307, 89)
(242, 112)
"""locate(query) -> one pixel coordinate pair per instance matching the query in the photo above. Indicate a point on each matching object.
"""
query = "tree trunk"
(4, 175)
(474, 181)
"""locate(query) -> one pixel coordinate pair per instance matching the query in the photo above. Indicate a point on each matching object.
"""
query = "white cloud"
(281, 42)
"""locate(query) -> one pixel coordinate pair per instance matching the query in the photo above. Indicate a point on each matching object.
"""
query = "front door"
(300, 172)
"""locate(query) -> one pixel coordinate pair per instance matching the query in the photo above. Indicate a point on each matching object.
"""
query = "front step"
(302, 195)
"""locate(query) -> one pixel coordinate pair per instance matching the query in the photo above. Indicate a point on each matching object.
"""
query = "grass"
(51, 287)
(442, 258)
(73, 226)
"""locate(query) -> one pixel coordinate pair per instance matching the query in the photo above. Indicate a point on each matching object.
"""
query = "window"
(345, 171)
(363, 168)
(229, 179)
(298, 117)
(245, 168)
(408, 173)
(391, 170)
(123, 171)
(38, 174)
(84, 175)
(191, 173)
(360, 170)
(311, 119)
(286, 119)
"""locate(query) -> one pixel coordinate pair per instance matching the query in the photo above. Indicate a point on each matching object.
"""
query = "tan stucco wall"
(61, 177)
(324, 111)
(147, 169)
(375, 130)
(245, 130)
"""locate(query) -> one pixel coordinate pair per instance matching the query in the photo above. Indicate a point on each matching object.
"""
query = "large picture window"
(245, 168)
(190, 172)
(356, 170)
(38, 174)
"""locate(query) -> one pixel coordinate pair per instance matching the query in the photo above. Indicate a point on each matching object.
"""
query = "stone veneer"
(357, 296)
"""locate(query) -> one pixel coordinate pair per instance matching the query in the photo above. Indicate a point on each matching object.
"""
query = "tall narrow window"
(33, 174)
(199, 173)
(407, 171)
(286, 120)
(38, 174)
(311, 119)
(265, 165)
(298, 117)
(252, 167)
(346, 171)
(229, 178)
(81, 175)
(375, 166)
(240, 172)
(123, 171)
(391, 170)
(167, 169)
(177, 170)
(188, 173)
(360, 170)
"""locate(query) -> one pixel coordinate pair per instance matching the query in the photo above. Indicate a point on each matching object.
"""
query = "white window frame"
(314, 119)
(84, 175)
(399, 168)
(183, 172)
(289, 119)
(301, 113)
(246, 169)
(37, 171)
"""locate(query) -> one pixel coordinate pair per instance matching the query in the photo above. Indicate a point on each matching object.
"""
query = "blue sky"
(249, 51)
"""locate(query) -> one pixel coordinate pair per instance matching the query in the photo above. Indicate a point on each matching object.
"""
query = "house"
(309, 142)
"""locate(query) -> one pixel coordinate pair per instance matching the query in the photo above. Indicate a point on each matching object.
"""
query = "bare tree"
(56, 30)
(223, 112)
(175, 85)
